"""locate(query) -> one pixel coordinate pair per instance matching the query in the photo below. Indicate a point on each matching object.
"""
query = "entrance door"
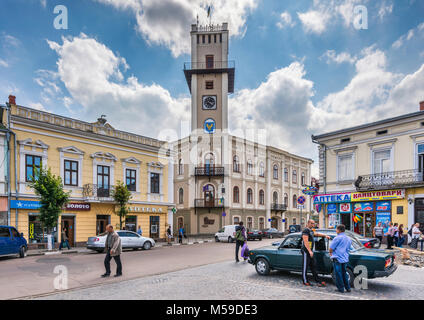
(154, 227)
(369, 224)
(209, 196)
(69, 224)
(419, 213)
(274, 223)
(101, 223)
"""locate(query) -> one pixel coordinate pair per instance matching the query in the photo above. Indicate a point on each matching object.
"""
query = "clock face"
(209, 102)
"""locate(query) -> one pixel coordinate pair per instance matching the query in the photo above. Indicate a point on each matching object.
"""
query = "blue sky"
(302, 66)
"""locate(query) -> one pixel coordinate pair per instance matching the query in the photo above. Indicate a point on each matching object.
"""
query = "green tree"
(52, 196)
(121, 196)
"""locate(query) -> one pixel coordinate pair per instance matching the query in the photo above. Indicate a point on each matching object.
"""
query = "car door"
(322, 256)
(124, 239)
(133, 239)
(289, 256)
(14, 241)
(4, 241)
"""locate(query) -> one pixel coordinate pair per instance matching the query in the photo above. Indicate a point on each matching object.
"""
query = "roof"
(368, 125)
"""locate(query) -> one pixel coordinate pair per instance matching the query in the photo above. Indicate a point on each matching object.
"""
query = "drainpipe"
(16, 165)
(325, 168)
(8, 160)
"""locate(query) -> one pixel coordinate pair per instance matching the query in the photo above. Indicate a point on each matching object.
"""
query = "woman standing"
(401, 237)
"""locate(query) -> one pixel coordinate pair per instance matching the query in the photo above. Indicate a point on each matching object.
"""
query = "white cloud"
(314, 21)
(37, 106)
(93, 76)
(3, 63)
(408, 36)
(385, 9)
(43, 3)
(9, 41)
(167, 22)
(285, 20)
(342, 57)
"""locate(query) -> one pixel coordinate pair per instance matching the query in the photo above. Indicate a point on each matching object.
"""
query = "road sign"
(301, 200)
(300, 206)
(310, 191)
(224, 214)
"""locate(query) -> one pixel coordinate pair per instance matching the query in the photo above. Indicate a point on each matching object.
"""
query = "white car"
(228, 233)
(129, 240)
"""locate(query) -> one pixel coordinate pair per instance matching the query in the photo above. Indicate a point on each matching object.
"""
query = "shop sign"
(145, 209)
(310, 190)
(383, 206)
(384, 218)
(28, 205)
(363, 207)
(378, 195)
(332, 208)
(332, 198)
(345, 208)
(78, 206)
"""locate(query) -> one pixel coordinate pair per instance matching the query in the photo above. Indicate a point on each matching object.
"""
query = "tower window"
(209, 85)
(214, 38)
(209, 62)
(220, 38)
(198, 39)
(209, 39)
(203, 39)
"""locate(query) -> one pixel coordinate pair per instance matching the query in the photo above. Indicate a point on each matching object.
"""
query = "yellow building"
(374, 171)
(90, 158)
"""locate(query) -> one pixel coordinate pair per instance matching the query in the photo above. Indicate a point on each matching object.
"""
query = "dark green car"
(287, 256)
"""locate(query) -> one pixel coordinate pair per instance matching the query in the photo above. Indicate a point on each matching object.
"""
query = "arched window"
(209, 160)
(303, 179)
(249, 167)
(261, 223)
(294, 177)
(236, 164)
(249, 223)
(261, 169)
(236, 195)
(181, 196)
(286, 175)
(286, 200)
(295, 201)
(180, 167)
(261, 197)
(275, 197)
(275, 172)
(249, 196)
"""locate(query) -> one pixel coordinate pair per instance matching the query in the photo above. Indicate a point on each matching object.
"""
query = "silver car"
(129, 240)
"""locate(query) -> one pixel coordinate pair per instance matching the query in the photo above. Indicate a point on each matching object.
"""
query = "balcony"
(209, 172)
(209, 204)
(278, 207)
(390, 180)
(96, 192)
(211, 67)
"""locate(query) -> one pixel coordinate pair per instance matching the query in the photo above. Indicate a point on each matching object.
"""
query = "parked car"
(227, 233)
(254, 234)
(272, 233)
(129, 240)
(288, 257)
(12, 242)
(367, 242)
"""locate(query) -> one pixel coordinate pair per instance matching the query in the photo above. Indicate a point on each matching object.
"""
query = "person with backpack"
(241, 238)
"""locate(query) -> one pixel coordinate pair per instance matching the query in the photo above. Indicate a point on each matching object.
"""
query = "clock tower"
(210, 78)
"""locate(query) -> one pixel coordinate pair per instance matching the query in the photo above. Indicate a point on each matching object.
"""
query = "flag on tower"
(209, 11)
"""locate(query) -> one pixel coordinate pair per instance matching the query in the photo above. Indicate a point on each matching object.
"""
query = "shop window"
(131, 223)
(37, 234)
(154, 183)
(32, 165)
(131, 178)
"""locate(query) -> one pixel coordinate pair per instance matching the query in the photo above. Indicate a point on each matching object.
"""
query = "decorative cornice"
(131, 160)
(71, 149)
(104, 156)
(38, 143)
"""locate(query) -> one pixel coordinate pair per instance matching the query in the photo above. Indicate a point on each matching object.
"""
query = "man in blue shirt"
(339, 253)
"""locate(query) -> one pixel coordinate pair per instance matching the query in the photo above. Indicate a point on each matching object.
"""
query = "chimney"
(12, 100)
(422, 106)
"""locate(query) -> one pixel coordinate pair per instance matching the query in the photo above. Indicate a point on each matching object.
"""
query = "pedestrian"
(181, 234)
(169, 234)
(308, 254)
(401, 238)
(390, 235)
(113, 250)
(339, 253)
(139, 231)
(378, 232)
(241, 237)
(64, 240)
(395, 234)
(245, 251)
(416, 235)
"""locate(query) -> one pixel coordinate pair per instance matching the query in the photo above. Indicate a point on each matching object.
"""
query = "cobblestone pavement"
(229, 281)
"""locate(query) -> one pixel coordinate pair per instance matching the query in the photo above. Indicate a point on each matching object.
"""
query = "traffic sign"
(301, 200)
(310, 191)
(224, 214)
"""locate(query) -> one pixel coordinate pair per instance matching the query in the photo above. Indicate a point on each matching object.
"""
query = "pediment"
(104, 156)
(131, 160)
(71, 149)
(37, 143)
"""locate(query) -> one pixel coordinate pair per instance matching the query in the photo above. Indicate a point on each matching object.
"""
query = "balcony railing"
(395, 179)
(204, 203)
(209, 171)
(210, 65)
(278, 207)
(97, 192)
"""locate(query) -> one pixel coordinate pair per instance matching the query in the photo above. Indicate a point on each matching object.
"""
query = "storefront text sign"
(28, 205)
(78, 206)
(378, 195)
(332, 198)
(145, 209)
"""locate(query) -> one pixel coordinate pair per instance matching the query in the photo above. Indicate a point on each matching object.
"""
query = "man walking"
(139, 231)
(169, 234)
(378, 232)
(180, 235)
(339, 253)
(241, 237)
(308, 253)
(113, 250)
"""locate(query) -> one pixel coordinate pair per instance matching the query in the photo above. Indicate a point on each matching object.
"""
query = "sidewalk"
(83, 250)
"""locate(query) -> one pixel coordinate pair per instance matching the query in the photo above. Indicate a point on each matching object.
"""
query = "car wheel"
(350, 276)
(147, 245)
(230, 240)
(262, 267)
(22, 252)
(216, 239)
(100, 251)
(260, 239)
(270, 236)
